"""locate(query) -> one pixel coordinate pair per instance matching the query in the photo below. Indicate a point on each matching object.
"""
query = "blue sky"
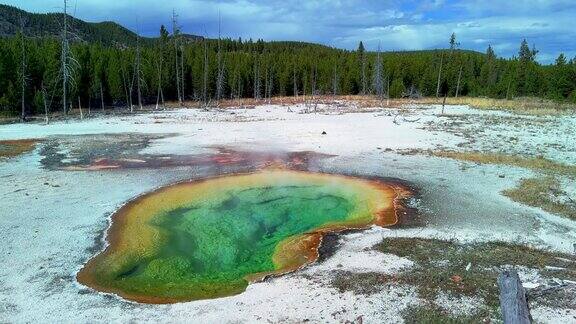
(398, 25)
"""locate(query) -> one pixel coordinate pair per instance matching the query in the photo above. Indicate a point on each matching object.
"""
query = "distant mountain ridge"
(108, 33)
(49, 25)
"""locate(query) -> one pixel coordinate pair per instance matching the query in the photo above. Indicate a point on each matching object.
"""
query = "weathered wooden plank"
(513, 301)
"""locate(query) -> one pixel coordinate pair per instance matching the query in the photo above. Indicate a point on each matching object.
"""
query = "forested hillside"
(50, 25)
(112, 67)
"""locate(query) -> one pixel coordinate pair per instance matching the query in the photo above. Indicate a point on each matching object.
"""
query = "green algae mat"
(211, 238)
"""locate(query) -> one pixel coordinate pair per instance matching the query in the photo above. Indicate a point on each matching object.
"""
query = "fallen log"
(513, 301)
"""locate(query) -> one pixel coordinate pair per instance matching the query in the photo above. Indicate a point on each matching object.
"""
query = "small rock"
(502, 176)
(324, 133)
(456, 279)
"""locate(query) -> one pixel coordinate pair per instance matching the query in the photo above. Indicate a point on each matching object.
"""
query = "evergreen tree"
(562, 79)
(261, 69)
(397, 88)
(362, 61)
(453, 43)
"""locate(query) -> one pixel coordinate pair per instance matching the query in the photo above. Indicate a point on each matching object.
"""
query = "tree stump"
(513, 301)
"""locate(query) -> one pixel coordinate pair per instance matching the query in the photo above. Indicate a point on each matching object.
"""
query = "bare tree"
(314, 73)
(508, 89)
(22, 74)
(362, 53)
(459, 79)
(127, 88)
(65, 65)
(388, 91)
(44, 95)
(182, 80)
(439, 75)
(304, 85)
(159, 62)
(160, 93)
(69, 63)
(378, 76)
(335, 81)
(239, 85)
(269, 82)
(80, 107)
(175, 34)
(101, 97)
(138, 70)
(294, 80)
(266, 71)
(257, 80)
(220, 76)
(205, 81)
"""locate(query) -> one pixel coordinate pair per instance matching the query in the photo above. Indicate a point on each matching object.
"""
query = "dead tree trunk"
(23, 69)
(513, 301)
(175, 33)
(439, 76)
(101, 96)
(364, 83)
(159, 90)
(45, 103)
(256, 81)
(220, 76)
(388, 92)
(131, 93)
(294, 80)
(270, 81)
(240, 90)
(182, 81)
(138, 80)
(508, 90)
(205, 83)
(124, 83)
(313, 81)
(65, 58)
(80, 107)
(458, 84)
(379, 76)
(131, 89)
(159, 70)
(266, 83)
(304, 86)
(335, 82)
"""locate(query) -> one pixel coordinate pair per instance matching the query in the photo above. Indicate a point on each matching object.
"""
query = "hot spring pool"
(211, 238)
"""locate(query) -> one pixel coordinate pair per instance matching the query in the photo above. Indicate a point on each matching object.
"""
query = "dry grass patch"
(526, 106)
(441, 266)
(435, 315)
(358, 101)
(540, 164)
(543, 192)
(12, 148)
